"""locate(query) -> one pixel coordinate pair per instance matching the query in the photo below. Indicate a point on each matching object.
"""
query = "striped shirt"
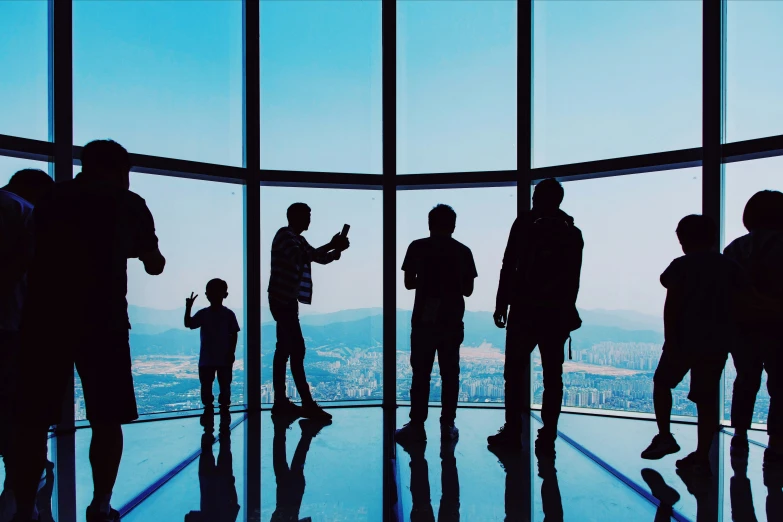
(290, 278)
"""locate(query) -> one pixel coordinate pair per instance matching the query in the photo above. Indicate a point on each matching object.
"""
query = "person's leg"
(448, 360)
(706, 427)
(105, 456)
(282, 351)
(552, 348)
(773, 363)
(519, 344)
(224, 374)
(28, 460)
(671, 370)
(9, 347)
(297, 351)
(749, 365)
(206, 375)
(662, 403)
(423, 347)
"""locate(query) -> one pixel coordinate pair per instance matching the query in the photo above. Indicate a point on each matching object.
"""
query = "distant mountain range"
(160, 332)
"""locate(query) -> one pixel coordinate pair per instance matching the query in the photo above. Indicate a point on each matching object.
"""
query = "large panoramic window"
(199, 227)
(629, 241)
(456, 86)
(614, 79)
(484, 218)
(162, 78)
(753, 88)
(742, 181)
(24, 61)
(321, 86)
(343, 327)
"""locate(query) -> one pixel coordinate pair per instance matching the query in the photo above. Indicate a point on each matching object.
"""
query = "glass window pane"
(744, 179)
(321, 86)
(343, 327)
(162, 78)
(614, 79)
(24, 60)
(753, 85)
(629, 241)
(456, 86)
(484, 218)
(200, 230)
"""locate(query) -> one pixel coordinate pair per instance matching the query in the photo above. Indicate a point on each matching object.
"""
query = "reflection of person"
(441, 270)
(219, 501)
(518, 479)
(290, 283)
(760, 253)
(16, 207)
(76, 313)
(667, 496)
(290, 479)
(540, 281)
(219, 334)
(699, 327)
(421, 509)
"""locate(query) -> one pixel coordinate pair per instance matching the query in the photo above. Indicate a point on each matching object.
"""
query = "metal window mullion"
(251, 134)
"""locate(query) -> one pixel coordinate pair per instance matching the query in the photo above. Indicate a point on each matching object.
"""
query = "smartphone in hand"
(346, 228)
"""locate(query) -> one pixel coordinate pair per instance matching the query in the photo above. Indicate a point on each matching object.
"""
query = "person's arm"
(507, 275)
(234, 336)
(154, 262)
(467, 286)
(189, 323)
(410, 280)
(469, 275)
(331, 251)
(672, 308)
(144, 242)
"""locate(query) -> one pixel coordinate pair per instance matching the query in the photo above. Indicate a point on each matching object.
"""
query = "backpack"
(552, 259)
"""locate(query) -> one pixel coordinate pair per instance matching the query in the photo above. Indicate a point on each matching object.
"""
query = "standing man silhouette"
(442, 271)
(290, 283)
(540, 281)
(76, 313)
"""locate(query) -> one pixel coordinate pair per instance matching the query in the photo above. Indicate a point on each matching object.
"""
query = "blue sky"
(610, 79)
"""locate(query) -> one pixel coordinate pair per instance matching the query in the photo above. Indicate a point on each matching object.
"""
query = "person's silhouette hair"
(764, 211)
(442, 271)
(539, 281)
(30, 184)
(219, 500)
(76, 315)
(697, 233)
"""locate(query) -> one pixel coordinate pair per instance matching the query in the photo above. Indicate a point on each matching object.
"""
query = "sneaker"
(665, 494)
(411, 433)
(698, 485)
(507, 437)
(94, 515)
(315, 412)
(661, 446)
(286, 408)
(773, 469)
(449, 432)
(311, 428)
(694, 464)
(740, 448)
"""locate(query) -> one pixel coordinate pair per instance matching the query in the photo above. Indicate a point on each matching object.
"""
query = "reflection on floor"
(194, 470)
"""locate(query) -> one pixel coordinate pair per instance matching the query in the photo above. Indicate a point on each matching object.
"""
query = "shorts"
(705, 373)
(103, 361)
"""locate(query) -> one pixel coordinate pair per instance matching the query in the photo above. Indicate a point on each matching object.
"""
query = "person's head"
(30, 184)
(764, 211)
(298, 216)
(442, 220)
(108, 160)
(696, 233)
(217, 290)
(548, 195)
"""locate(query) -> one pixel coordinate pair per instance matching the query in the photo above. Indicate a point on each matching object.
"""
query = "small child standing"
(699, 326)
(219, 334)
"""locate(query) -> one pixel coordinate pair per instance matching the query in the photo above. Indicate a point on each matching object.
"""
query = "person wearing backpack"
(760, 253)
(539, 280)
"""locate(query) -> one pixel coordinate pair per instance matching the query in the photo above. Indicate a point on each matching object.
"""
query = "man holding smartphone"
(290, 283)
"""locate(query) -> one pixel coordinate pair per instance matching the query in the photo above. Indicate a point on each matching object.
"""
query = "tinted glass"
(456, 86)
(162, 78)
(321, 86)
(615, 79)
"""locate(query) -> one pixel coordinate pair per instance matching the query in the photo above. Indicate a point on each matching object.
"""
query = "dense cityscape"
(603, 374)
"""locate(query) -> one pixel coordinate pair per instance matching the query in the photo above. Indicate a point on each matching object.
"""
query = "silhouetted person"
(290, 283)
(219, 501)
(421, 509)
(441, 270)
(700, 487)
(699, 323)
(518, 480)
(742, 509)
(76, 313)
(540, 281)
(290, 479)
(219, 334)
(760, 253)
(551, 500)
(17, 200)
(667, 496)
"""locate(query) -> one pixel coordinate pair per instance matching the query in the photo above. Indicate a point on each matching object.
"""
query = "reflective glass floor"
(193, 469)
